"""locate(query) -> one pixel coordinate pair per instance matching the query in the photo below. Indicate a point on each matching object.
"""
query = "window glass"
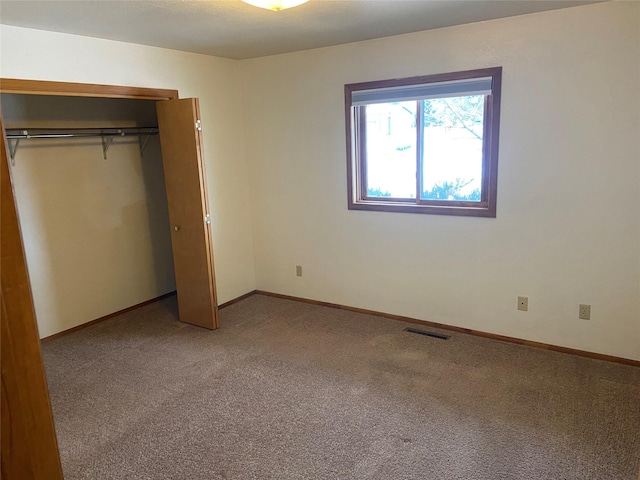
(391, 149)
(452, 148)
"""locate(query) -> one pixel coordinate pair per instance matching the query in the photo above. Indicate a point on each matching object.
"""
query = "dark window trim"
(356, 168)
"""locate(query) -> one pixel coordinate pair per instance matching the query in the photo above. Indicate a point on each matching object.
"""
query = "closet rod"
(29, 133)
(106, 134)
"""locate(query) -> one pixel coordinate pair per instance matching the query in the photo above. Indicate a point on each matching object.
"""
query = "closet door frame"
(29, 445)
(66, 89)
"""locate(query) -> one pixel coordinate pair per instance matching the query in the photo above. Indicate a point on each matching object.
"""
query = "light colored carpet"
(286, 390)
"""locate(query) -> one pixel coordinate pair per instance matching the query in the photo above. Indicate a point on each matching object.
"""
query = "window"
(425, 144)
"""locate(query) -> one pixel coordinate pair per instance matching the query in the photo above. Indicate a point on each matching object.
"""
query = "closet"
(111, 196)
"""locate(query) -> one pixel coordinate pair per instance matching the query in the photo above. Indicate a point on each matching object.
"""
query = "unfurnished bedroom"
(320, 239)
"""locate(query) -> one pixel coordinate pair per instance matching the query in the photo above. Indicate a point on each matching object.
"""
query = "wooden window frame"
(356, 146)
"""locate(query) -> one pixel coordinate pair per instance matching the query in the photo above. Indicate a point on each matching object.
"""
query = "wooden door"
(29, 447)
(185, 179)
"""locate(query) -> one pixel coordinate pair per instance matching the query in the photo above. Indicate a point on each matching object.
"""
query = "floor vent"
(428, 334)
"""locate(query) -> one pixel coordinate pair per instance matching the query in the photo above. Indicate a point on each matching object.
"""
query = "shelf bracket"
(13, 148)
(106, 142)
(143, 143)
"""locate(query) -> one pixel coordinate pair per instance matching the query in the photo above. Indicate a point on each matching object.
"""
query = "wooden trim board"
(29, 447)
(106, 317)
(131, 308)
(477, 333)
(65, 89)
(237, 299)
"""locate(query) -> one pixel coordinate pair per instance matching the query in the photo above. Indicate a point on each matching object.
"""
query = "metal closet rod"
(107, 135)
(29, 133)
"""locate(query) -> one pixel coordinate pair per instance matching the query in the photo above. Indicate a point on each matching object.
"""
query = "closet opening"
(95, 206)
(94, 220)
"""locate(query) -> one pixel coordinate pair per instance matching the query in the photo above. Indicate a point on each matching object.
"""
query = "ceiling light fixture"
(275, 4)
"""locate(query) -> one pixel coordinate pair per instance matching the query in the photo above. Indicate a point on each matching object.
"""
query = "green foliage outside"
(452, 191)
(440, 191)
(376, 192)
(464, 112)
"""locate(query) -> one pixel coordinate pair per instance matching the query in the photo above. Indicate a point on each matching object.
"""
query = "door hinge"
(198, 125)
(207, 219)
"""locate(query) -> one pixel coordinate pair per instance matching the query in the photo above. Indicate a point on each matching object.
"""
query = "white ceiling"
(233, 29)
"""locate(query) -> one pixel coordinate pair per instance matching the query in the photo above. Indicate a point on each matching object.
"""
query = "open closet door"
(181, 143)
(29, 447)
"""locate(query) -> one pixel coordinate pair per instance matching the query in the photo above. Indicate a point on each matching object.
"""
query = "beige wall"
(39, 55)
(567, 230)
(568, 224)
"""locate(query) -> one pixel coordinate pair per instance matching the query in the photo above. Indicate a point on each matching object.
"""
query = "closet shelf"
(15, 135)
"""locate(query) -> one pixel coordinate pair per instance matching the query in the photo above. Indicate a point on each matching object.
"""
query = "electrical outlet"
(584, 312)
(523, 303)
(298, 270)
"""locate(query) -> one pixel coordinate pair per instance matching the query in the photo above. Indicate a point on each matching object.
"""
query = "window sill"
(482, 209)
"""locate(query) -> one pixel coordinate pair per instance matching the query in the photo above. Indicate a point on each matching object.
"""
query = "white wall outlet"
(584, 312)
(523, 303)
(298, 270)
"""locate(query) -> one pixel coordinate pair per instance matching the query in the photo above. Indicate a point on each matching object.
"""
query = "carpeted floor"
(286, 390)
